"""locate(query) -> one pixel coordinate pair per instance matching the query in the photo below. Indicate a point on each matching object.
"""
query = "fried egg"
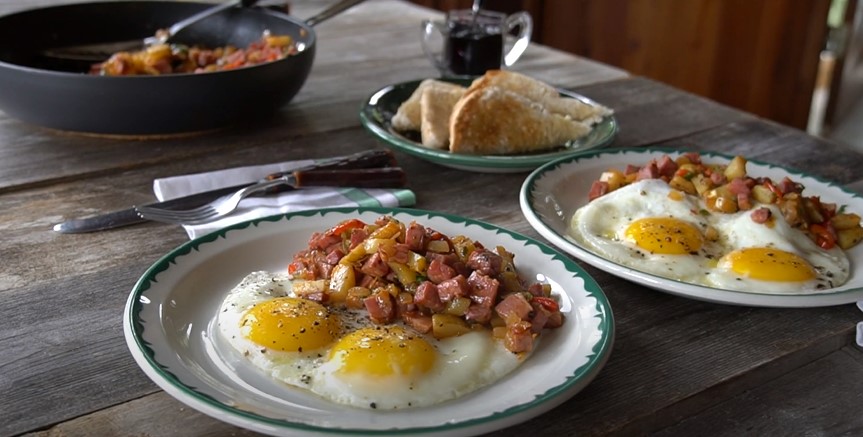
(339, 355)
(648, 226)
(773, 257)
(654, 228)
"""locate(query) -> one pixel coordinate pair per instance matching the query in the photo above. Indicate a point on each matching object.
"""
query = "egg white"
(600, 225)
(463, 364)
(738, 231)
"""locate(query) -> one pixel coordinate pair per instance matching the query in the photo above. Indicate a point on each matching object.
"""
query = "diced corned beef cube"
(744, 202)
(451, 288)
(717, 178)
(694, 157)
(323, 269)
(320, 240)
(421, 322)
(483, 289)
(738, 186)
(540, 317)
(666, 166)
(515, 304)
(478, 313)
(414, 236)
(519, 337)
(334, 257)
(789, 186)
(535, 289)
(375, 266)
(380, 307)
(447, 258)
(358, 236)
(630, 169)
(401, 255)
(760, 215)
(597, 189)
(485, 261)
(427, 297)
(649, 171)
(438, 272)
(318, 296)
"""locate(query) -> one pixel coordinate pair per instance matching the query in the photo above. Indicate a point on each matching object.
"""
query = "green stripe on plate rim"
(600, 350)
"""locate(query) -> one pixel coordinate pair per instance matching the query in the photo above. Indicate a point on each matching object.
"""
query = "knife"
(310, 175)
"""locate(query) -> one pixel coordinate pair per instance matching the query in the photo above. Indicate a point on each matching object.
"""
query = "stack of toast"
(500, 113)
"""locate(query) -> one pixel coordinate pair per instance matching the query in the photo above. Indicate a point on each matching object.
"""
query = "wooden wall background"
(757, 55)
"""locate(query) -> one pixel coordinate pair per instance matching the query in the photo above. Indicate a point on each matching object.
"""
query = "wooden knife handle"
(386, 177)
(367, 159)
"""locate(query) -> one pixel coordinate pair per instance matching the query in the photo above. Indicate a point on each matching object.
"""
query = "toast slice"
(436, 104)
(543, 93)
(408, 115)
(495, 121)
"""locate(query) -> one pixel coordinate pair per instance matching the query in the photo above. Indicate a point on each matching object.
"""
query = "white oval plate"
(552, 193)
(379, 108)
(169, 318)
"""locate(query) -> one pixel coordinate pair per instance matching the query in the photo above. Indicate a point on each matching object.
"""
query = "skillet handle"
(332, 11)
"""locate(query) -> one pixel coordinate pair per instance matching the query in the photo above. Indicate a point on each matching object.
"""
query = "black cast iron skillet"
(59, 94)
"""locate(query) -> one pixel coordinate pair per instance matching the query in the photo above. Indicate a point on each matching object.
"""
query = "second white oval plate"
(169, 328)
(552, 193)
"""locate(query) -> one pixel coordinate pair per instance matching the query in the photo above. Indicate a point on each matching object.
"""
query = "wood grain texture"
(678, 365)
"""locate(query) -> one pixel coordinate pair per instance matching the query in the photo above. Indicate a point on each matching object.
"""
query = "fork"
(387, 177)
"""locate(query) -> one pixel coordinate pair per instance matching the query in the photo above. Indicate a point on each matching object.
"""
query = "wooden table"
(678, 367)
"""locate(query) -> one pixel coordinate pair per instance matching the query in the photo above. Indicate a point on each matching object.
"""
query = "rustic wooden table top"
(678, 367)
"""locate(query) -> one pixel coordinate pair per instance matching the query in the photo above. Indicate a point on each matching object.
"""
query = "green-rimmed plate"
(379, 108)
(551, 194)
(169, 328)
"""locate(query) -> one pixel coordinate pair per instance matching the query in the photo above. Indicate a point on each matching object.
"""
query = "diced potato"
(447, 325)
(355, 297)
(499, 332)
(763, 194)
(614, 178)
(417, 262)
(278, 40)
(736, 168)
(463, 246)
(389, 230)
(342, 279)
(680, 183)
(309, 287)
(373, 245)
(845, 221)
(405, 274)
(458, 306)
(720, 199)
(701, 183)
(438, 246)
(848, 238)
(406, 298)
(355, 255)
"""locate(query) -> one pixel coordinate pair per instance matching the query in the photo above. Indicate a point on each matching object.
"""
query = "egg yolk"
(768, 264)
(384, 351)
(665, 235)
(290, 324)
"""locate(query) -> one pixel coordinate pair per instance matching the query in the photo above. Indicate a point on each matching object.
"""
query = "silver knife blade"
(130, 216)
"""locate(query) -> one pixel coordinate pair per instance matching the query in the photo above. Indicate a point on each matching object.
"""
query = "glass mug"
(473, 45)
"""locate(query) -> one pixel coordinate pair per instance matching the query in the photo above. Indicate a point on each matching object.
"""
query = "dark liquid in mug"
(471, 51)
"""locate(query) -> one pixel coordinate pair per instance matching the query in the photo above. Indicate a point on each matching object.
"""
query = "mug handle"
(429, 28)
(524, 23)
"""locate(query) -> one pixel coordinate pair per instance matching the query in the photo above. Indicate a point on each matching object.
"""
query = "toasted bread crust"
(494, 121)
(408, 115)
(436, 106)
